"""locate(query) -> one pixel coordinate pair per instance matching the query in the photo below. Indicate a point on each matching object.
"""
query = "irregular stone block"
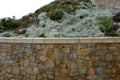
(49, 64)
(15, 70)
(43, 58)
(83, 52)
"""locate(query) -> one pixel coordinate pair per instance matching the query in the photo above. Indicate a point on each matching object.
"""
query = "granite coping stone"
(61, 40)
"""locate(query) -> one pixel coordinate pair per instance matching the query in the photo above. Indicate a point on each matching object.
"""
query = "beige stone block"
(43, 58)
(41, 46)
(29, 70)
(37, 46)
(84, 40)
(50, 46)
(49, 40)
(27, 40)
(2, 40)
(83, 52)
(8, 69)
(72, 40)
(59, 40)
(7, 76)
(76, 46)
(49, 64)
(21, 62)
(57, 50)
(38, 40)
(15, 70)
(36, 70)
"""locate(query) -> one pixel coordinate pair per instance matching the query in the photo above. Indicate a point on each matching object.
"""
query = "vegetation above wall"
(64, 19)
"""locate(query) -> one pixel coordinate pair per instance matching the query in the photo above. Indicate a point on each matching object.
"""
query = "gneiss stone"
(43, 58)
(15, 70)
(26, 63)
(35, 69)
(39, 77)
(49, 64)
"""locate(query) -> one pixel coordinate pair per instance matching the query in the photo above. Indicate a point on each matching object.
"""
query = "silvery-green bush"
(83, 23)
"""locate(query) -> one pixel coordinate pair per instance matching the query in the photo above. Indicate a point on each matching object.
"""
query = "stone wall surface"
(88, 61)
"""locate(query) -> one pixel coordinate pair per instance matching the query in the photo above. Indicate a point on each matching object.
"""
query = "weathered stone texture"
(107, 4)
(60, 61)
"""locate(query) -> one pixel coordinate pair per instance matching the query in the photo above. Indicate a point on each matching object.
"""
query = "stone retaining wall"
(60, 59)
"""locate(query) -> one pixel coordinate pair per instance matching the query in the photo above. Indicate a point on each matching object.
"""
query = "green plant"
(6, 35)
(57, 14)
(106, 24)
(10, 23)
(2, 29)
(108, 27)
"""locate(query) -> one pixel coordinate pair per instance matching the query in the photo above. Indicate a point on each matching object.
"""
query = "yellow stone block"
(83, 52)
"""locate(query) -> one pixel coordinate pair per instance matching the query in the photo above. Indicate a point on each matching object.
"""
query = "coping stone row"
(61, 40)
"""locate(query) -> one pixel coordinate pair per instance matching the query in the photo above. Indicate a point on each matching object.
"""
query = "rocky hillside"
(107, 4)
(64, 18)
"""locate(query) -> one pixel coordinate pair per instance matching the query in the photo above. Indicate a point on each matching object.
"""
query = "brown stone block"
(64, 70)
(44, 75)
(57, 69)
(76, 46)
(6, 78)
(1, 66)
(83, 52)
(115, 76)
(65, 50)
(107, 70)
(49, 53)
(98, 47)
(91, 71)
(60, 77)
(22, 72)
(43, 52)
(33, 77)
(88, 63)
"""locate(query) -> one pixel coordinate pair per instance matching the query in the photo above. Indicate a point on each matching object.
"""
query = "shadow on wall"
(107, 4)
